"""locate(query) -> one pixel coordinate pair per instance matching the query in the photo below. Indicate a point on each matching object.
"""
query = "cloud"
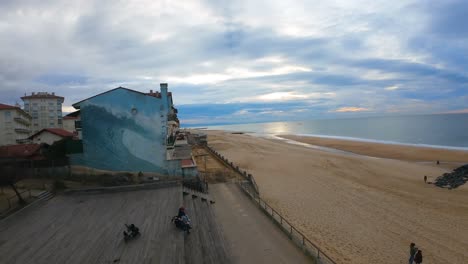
(270, 57)
(350, 109)
(458, 111)
(392, 88)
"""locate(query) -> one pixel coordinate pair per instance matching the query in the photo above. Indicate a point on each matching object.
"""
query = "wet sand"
(390, 151)
(359, 209)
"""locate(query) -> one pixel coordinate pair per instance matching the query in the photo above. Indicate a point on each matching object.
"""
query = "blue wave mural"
(124, 130)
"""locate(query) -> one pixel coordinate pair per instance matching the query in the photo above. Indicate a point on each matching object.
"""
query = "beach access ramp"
(250, 234)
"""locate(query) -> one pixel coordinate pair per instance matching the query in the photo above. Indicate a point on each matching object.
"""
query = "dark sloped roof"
(74, 114)
(77, 105)
(42, 95)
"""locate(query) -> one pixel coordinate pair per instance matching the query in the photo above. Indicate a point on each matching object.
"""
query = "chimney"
(163, 89)
(53, 93)
(32, 93)
(164, 96)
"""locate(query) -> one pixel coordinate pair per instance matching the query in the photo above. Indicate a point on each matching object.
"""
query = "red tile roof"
(4, 106)
(70, 117)
(7, 107)
(57, 131)
(20, 151)
(187, 163)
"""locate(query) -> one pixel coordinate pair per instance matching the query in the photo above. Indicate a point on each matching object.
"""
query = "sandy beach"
(359, 209)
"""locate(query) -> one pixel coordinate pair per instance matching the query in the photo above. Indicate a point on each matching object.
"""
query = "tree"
(9, 178)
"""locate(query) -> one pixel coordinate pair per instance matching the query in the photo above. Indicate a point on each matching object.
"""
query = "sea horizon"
(447, 131)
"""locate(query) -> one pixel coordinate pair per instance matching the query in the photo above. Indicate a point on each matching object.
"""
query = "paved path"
(251, 235)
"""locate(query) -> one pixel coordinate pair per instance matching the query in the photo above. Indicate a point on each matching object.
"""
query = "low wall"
(124, 188)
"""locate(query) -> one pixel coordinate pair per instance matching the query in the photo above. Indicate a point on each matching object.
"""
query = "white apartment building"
(15, 125)
(45, 110)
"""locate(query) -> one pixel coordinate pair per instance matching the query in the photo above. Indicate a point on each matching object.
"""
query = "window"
(59, 121)
(7, 116)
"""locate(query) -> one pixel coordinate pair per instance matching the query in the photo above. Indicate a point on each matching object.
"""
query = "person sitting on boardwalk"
(418, 257)
(182, 221)
(186, 223)
(181, 212)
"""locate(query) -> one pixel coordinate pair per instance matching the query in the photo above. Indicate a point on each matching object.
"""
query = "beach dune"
(359, 209)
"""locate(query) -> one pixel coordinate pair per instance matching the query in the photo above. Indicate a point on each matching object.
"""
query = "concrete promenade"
(251, 235)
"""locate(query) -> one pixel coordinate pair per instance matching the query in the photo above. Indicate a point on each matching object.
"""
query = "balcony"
(173, 117)
(22, 121)
(23, 141)
(22, 130)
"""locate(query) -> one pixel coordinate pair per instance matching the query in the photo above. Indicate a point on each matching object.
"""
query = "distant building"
(127, 130)
(71, 123)
(50, 135)
(15, 125)
(45, 109)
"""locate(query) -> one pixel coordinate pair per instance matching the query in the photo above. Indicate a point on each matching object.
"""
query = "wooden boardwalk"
(88, 229)
(206, 242)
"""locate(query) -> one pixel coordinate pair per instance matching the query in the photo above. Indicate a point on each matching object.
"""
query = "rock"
(456, 178)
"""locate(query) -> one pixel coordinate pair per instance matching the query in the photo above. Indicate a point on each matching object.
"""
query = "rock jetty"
(454, 179)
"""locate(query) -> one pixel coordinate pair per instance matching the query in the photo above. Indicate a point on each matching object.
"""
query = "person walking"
(413, 250)
(418, 257)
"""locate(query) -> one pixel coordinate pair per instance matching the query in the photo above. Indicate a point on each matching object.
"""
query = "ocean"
(441, 130)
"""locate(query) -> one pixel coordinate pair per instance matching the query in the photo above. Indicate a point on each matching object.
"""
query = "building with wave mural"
(124, 130)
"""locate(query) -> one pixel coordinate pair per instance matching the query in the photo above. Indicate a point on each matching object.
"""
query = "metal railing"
(195, 185)
(231, 165)
(9, 199)
(294, 234)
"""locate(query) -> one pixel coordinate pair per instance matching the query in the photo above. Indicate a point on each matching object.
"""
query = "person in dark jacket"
(413, 250)
(418, 257)
(181, 212)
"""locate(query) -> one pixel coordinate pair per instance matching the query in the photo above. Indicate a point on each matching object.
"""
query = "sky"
(245, 60)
